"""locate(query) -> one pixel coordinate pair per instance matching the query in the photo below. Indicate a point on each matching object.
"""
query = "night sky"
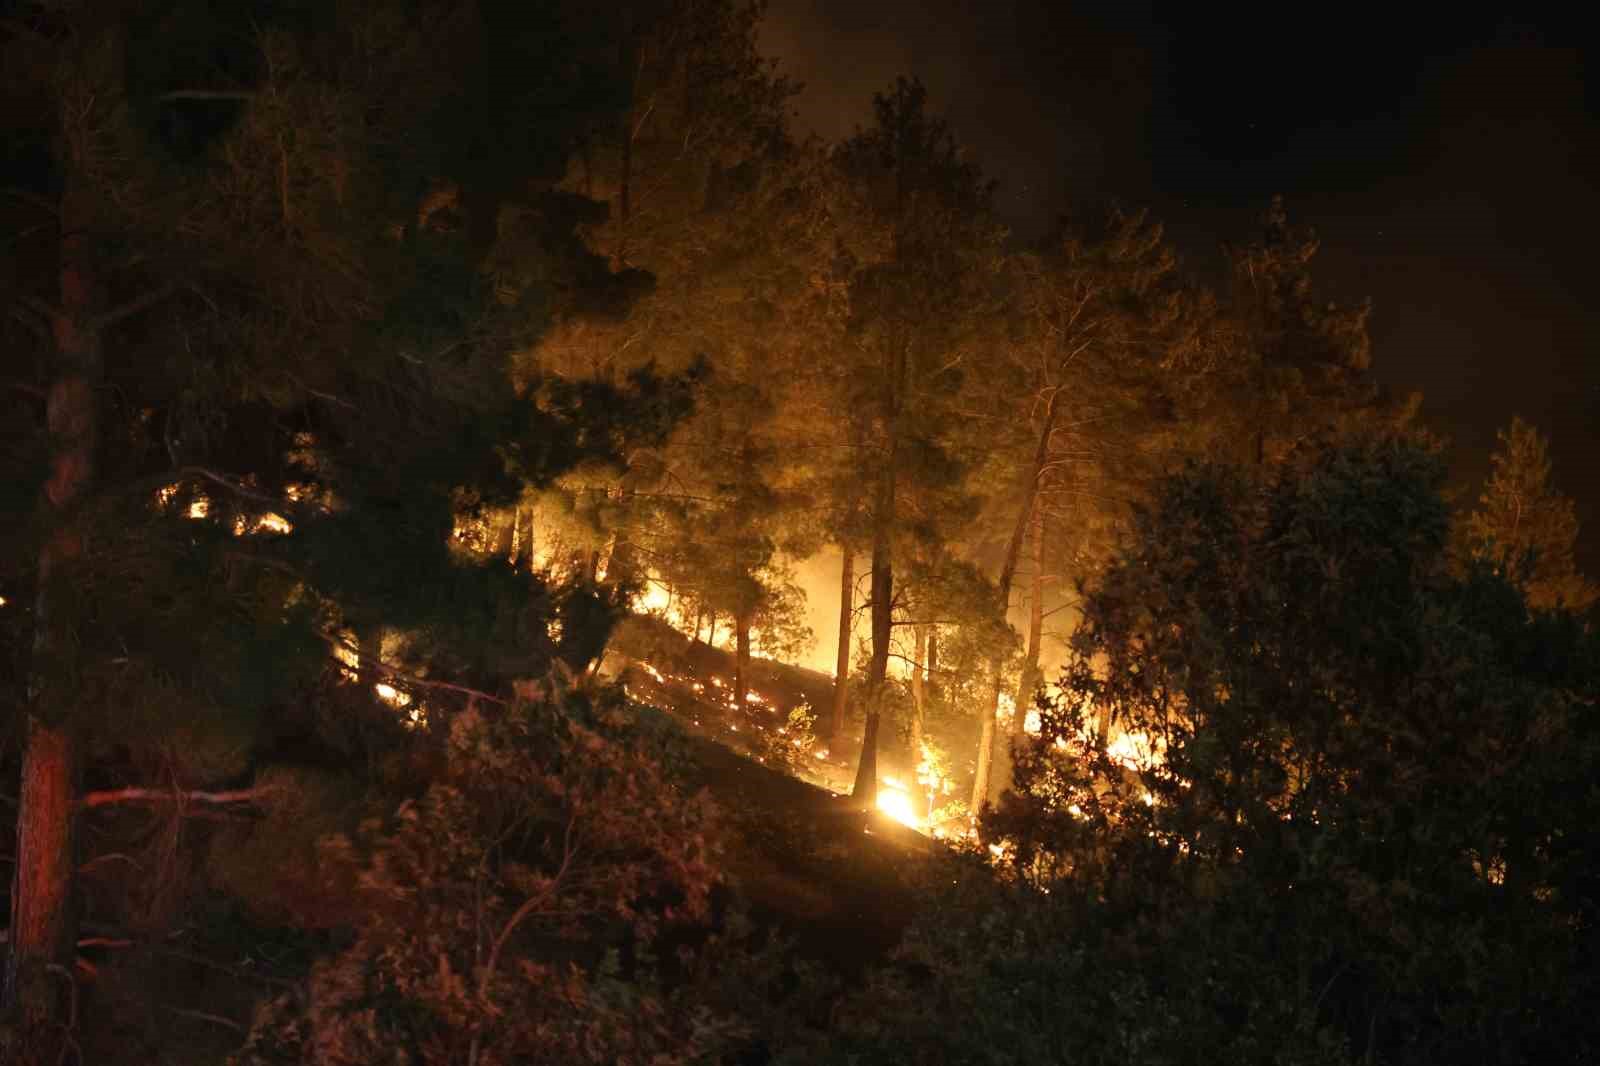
(1450, 168)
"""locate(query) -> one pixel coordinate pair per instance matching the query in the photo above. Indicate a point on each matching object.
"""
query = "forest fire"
(895, 802)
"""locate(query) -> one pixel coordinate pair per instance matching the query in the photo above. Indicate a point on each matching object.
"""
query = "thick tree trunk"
(841, 675)
(503, 539)
(1029, 679)
(919, 693)
(525, 546)
(933, 663)
(1008, 571)
(42, 935)
(741, 660)
(865, 791)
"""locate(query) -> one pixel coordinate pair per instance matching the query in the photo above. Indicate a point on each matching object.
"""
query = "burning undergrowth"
(693, 681)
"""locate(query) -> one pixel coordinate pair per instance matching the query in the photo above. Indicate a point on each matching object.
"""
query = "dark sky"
(1450, 167)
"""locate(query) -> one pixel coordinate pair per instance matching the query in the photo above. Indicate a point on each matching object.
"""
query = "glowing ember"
(199, 508)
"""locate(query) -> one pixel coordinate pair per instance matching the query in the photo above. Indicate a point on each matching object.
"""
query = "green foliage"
(1360, 841)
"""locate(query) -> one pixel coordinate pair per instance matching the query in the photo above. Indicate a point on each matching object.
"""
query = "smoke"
(1045, 96)
(819, 577)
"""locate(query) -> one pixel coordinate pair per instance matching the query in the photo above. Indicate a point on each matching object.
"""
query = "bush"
(515, 912)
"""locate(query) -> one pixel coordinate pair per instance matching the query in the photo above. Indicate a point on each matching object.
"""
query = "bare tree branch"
(109, 797)
(32, 324)
(205, 94)
(31, 198)
(134, 306)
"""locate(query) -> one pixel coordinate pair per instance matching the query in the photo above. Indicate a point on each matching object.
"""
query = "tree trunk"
(919, 693)
(841, 676)
(865, 791)
(39, 966)
(980, 779)
(1030, 664)
(741, 660)
(1008, 571)
(503, 539)
(933, 663)
(525, 549)
(42, 937)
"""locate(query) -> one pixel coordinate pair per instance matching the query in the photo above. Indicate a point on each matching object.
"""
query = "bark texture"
(841, 675)
(39, 966)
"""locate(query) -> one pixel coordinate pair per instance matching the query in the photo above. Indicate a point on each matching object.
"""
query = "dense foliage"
(1368, 833)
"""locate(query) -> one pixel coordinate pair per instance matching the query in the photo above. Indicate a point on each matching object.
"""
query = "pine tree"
(275, 380)
(1524, 528)
(1104, 335)
(918, 250)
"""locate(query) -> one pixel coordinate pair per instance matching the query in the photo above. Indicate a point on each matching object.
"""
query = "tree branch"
(411, 680)
(133, 306)
(31, 198)
(165, 795)
(205, 94)
(204, 1016)
(32, 326)
(232, 486)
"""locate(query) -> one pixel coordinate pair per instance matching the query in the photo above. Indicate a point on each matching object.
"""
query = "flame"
(1135, 750)
(897, 805)
(653, 599)
(199, 508)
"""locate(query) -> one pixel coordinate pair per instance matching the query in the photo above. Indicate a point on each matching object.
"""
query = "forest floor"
(836, 878)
